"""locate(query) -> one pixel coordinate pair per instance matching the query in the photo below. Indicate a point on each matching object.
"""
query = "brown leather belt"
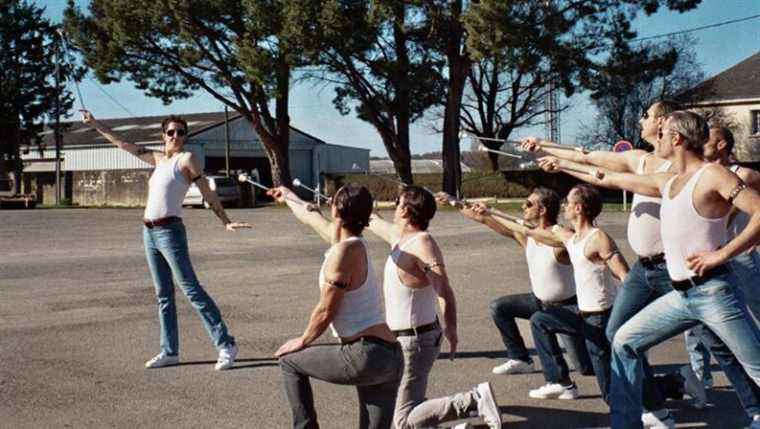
(161, 221)
(413, 332)
(684, 285)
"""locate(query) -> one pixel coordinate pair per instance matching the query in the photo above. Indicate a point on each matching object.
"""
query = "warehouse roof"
(146, 129)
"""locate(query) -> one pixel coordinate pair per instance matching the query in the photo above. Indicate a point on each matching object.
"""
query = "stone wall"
(110, 188)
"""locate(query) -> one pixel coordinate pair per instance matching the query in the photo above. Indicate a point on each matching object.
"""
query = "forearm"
(497, 227)
(318, 322)
(314, 219)
(565, 154)
(747, 239)
(111, 137)
(213, 200)
(383, 229)
(448, 309)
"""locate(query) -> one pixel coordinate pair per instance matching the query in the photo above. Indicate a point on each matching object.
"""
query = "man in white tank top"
(695, 206)
(166, 242)
(596, 263)
(414, 284)
(368, 356)
(551, 280)
(746, 266)
(649, 278)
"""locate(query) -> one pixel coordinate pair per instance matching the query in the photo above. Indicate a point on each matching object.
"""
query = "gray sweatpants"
(373, 366)
(412, 410)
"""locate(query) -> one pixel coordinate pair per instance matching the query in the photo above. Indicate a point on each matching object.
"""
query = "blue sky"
(312, 110)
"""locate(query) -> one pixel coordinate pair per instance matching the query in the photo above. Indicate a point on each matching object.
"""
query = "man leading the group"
(165, 238)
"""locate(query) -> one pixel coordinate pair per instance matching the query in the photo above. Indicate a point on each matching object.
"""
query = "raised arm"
(622, 162)
(145, 154)
(382, 228)
(642, 184)
(338, 275)
(430, 261)
(301, 211)
(482, 212)
(193, 172)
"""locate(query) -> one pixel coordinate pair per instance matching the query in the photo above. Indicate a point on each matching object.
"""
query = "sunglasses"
(397, 202)
(645, 115)
(529, 204)
(179, 131)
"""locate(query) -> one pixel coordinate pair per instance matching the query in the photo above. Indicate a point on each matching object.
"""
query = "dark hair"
(550, 200)
(354, 206)
(421, 205)
(727, 135)
(590, 199)
(692, 128)
(666, 107)
(173, 118)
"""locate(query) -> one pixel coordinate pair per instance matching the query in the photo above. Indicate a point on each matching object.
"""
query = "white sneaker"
(226, 357)
(555, 391)
(651, 421)
(515, 366)
(161, 360)
(464, 425)
(693, 387)
(487, 408)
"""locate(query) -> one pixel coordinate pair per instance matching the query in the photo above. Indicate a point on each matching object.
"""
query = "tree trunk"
(459, 63)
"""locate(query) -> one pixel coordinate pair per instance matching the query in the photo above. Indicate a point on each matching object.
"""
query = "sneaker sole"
(558, 397)
(487, 393)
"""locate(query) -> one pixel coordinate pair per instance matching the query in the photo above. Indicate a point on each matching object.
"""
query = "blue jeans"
(747, 267)
(714, 304)
(506, 309)
(641, 287)
(169, 262)
(544, 324)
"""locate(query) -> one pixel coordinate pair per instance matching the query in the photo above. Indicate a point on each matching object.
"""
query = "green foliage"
(30, 47)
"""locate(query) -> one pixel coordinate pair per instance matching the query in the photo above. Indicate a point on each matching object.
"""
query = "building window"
(755, 121)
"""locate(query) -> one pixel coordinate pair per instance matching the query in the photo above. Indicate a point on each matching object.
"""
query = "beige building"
(733, 98)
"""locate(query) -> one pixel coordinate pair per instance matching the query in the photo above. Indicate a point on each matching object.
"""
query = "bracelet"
(734, 192)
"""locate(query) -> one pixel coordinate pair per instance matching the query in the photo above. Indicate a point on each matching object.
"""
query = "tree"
(622, 93)
(376, 55)
(559, 42)
(29, 51)
(242, 52)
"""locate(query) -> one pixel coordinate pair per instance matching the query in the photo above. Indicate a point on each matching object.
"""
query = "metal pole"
(227, 140)
(57, 127)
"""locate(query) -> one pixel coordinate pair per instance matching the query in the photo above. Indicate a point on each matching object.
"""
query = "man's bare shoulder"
(749, 176)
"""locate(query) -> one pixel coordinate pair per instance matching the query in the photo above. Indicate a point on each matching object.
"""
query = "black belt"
(684, 285)
(161, 221)
(413, 332)
(570, 301)
(372, 339)
(649, 262)
(585, 314)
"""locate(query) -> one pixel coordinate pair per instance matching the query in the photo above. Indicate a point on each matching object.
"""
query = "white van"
(226, 188)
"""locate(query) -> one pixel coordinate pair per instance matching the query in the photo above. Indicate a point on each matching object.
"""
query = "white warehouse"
(94, 172)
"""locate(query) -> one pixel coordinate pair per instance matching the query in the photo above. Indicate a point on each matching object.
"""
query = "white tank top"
(360, 308)
(406, 307)
(595, 286)
(166, 190)
(644, 222)
(740, 220)
(684, 231)
(550, 280)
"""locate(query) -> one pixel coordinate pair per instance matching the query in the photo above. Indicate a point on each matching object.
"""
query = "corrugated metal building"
(94, 172)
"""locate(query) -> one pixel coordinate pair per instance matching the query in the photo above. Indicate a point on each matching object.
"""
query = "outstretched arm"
(622, 162)
(301, 211)
(383, 229)
(192, 171)
(642, 184)
(145, 154)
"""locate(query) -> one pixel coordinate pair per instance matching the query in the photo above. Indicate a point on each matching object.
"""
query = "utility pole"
(227, 140)
(57, 131)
